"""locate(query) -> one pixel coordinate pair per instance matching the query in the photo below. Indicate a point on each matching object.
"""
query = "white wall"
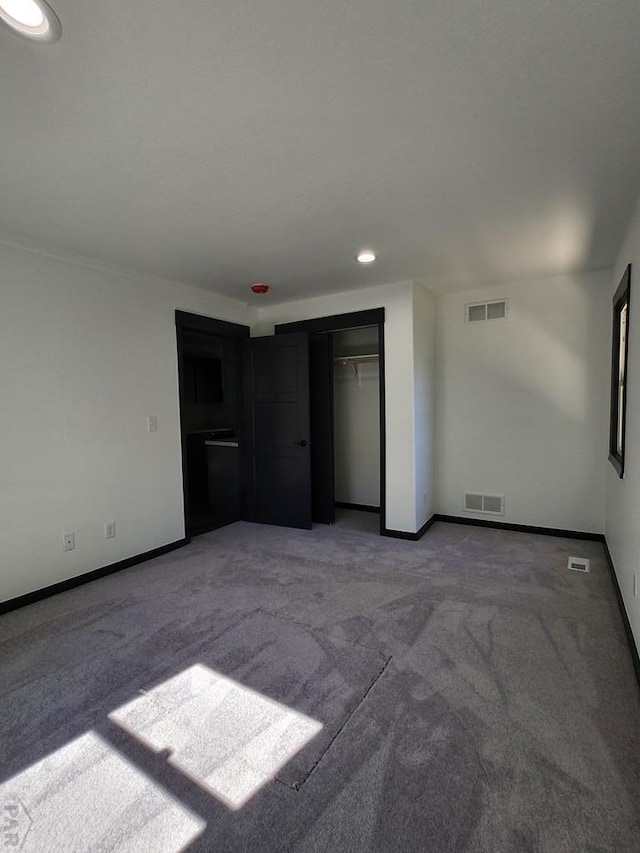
(522, 409)
(424, 401)
(85, 356)
(356, 416)
(397, 300)
(522, 403)
(623, 496)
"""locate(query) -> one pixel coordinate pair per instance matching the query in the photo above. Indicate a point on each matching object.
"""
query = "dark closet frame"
(341, 323)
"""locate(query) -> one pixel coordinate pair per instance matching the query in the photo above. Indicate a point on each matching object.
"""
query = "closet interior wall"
(356, 413)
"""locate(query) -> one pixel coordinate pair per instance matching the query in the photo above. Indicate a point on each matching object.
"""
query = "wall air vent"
(488, 504)
(579, 564)
(477, 312)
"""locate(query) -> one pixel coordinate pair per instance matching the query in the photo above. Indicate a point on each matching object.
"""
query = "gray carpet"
(266, 689)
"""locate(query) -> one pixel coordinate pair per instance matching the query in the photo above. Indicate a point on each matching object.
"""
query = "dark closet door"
(322, 474)
(278, 430)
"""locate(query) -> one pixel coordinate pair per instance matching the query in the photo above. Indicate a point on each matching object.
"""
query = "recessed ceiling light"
(366, 257)
(32, 19)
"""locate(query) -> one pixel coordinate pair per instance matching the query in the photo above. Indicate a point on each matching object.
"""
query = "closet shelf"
(357, 359)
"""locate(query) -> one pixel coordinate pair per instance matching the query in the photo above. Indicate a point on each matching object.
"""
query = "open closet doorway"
(356, 420)
(348, 455)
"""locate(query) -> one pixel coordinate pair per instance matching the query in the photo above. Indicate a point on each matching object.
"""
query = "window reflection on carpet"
(86, 796)
(227, 738)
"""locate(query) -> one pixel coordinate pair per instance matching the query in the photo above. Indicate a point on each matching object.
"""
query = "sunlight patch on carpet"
(86, 796)
(227, 738)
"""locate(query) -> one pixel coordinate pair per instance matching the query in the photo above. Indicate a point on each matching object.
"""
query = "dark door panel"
(276, 425)
(321, 382)
(278, 430)
(277, 479)
(276, 370)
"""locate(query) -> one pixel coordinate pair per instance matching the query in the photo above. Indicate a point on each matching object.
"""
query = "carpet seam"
(298, 785)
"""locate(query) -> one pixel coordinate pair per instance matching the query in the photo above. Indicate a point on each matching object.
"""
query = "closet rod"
(357, 359)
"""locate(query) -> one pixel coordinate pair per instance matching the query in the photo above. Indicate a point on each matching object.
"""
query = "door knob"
(301, 443)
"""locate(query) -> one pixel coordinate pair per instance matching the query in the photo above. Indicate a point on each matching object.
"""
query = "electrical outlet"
(68, 541)
(110, 530)
(152, 423)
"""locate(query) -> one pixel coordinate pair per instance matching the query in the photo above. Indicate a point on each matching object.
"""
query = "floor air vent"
(495, 309)
(579, 564)
(490, 504)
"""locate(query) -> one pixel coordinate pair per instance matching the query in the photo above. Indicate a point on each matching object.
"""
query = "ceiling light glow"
(26, 12)
(366, 257)
(32, 19)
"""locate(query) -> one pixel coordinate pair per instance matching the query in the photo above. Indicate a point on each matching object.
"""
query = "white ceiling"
(222, 142)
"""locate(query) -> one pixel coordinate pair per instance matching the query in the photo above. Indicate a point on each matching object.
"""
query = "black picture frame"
(618, 416)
